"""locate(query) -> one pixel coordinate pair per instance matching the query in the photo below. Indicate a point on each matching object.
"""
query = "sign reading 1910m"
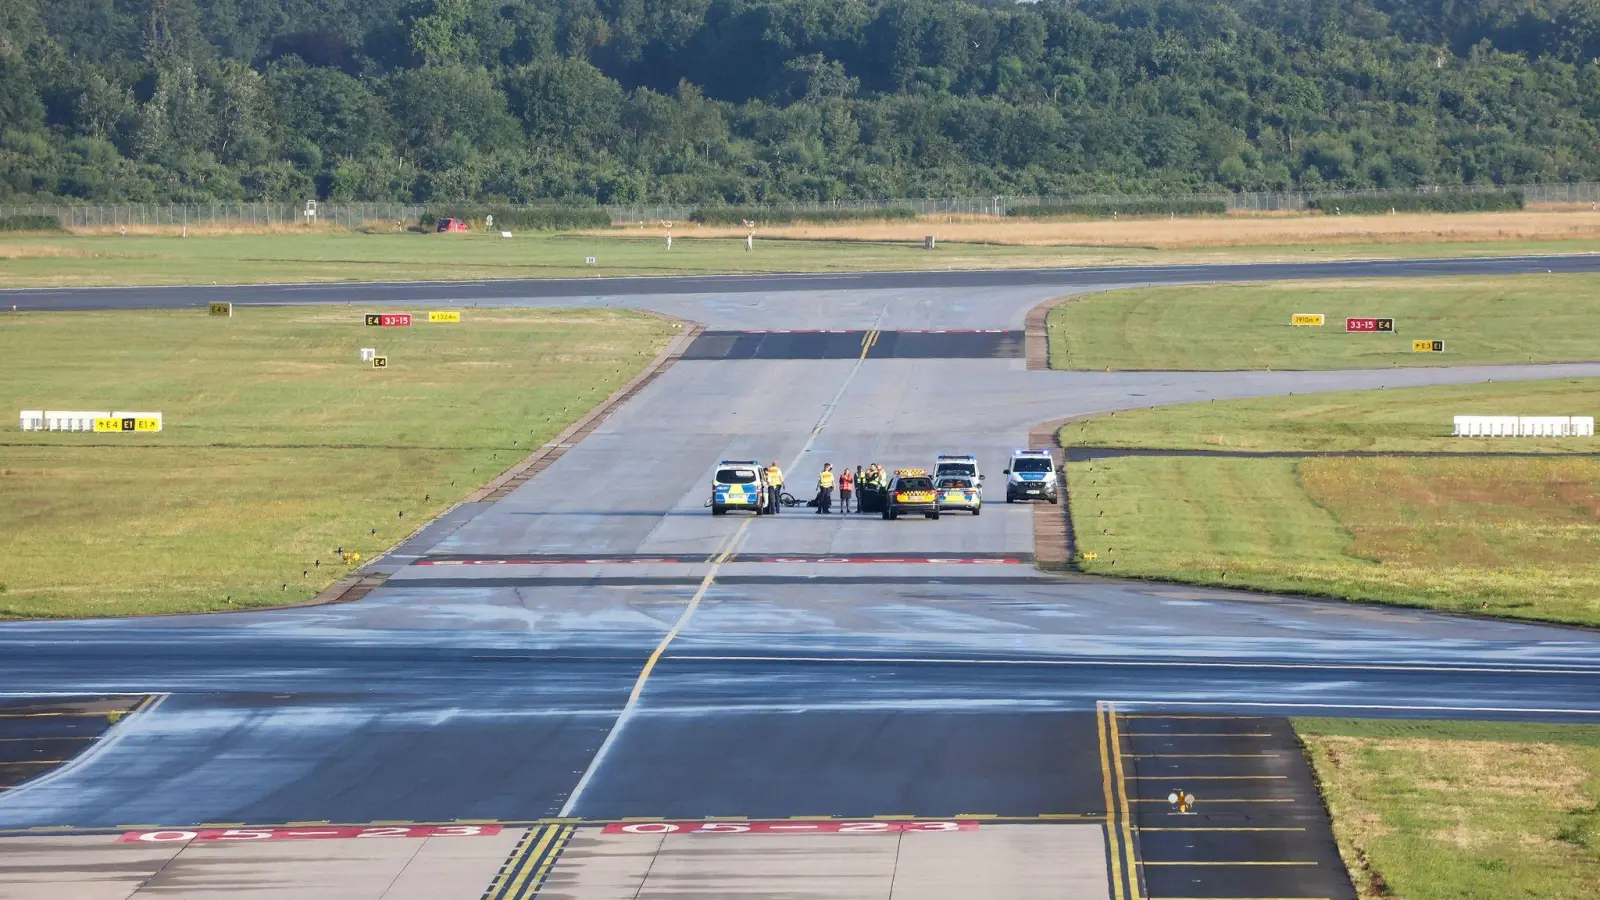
(1368, 324)
(401, 320)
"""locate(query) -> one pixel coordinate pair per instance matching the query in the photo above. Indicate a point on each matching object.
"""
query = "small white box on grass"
(33, 420)
(367, 353)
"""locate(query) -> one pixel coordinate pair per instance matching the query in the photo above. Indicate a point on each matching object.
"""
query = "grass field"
(1431, 810)
(1510, 319)
(1402, 419)
(57, 261)
(1205, 232)
(1512, 537)
(279, 446)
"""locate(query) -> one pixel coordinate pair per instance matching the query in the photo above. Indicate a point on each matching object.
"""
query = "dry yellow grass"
(1248, 230)
(1468, 810)
(217, 229)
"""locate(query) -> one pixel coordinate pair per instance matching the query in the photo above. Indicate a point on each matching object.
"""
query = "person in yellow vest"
(774, 487)
(825, 489)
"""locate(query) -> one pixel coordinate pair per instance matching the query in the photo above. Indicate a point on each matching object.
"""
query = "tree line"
(747, 101)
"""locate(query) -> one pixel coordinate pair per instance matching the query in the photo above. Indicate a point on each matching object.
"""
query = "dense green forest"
(759, 100)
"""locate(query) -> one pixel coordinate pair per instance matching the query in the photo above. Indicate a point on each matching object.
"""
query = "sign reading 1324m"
(1368, 324)
(390, 320)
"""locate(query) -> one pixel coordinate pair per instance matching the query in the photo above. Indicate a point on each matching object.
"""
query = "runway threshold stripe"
(524, 871)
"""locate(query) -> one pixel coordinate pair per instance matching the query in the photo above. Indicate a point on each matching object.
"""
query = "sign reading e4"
(1368, 324)
(1301, 320)
(395, 320)
(1427, 346)
(380, 362)
(222, 309)
(125, 424)
(448, 316)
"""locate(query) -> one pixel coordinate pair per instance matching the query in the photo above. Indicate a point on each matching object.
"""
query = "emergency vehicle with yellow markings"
(737, 484)
(959, 492)
(911, 491)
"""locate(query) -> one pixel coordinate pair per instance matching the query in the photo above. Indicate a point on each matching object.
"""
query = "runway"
(596, 647)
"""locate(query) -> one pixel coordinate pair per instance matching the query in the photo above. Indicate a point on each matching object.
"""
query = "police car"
(1031, 476)
(911, 491)
(737, 485)
(961, 466)
(958, 492)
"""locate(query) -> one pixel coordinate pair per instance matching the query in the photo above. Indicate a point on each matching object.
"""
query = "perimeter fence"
(356, 215)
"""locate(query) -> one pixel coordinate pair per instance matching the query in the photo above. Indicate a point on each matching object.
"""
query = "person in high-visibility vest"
(847, 486)
(774, 487)
(825, 489)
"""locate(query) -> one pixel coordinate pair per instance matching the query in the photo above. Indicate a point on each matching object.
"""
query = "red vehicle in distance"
(451, 225)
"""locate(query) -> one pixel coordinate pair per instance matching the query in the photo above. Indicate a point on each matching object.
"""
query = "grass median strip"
(1401, 420)
(1506, 319)
(1506, 536)
(294, 255)
(1431, 810)
(278, 447)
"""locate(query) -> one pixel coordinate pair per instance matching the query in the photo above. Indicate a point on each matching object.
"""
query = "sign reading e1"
(395, 320)
(1368, 324)
(1427, 346)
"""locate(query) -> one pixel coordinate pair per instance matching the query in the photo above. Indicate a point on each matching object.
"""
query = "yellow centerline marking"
(1127, 816)
(1114, 851)
(688, 611)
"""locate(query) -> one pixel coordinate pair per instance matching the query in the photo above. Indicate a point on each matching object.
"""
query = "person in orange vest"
(825, 489)
(847, 486)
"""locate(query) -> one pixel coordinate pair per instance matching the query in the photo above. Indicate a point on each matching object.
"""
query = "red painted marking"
(1361, 324)
(309, 832)
(401, 320)
(827, 827)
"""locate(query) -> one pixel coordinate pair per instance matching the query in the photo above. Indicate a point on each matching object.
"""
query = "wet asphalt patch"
(856, 344)
(932, 763)
(38, 734)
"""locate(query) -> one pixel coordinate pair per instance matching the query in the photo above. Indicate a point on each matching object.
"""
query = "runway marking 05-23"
(227, 835)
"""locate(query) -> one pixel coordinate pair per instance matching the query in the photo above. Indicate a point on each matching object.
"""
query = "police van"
(1031, 476)
(737, 485)
(959, 467)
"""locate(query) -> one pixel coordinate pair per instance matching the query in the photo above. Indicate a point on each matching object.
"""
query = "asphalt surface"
(795, 665)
